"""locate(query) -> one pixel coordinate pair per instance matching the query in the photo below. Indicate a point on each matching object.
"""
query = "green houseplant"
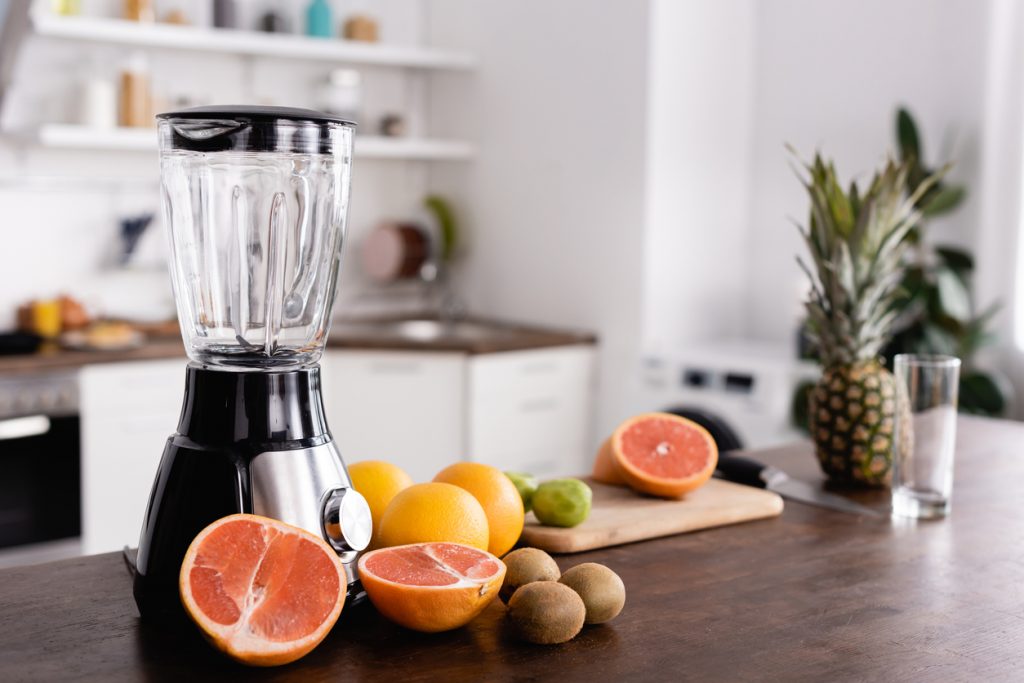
(937, 313)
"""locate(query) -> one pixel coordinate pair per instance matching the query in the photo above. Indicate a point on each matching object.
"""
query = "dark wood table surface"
(812, 595)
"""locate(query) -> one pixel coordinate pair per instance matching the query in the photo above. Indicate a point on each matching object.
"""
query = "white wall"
(829, 75)
(555, 199)
(700, 89)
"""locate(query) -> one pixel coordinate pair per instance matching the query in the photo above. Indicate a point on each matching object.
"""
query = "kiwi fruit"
(546, 612)
(602, 590)
(524, 566)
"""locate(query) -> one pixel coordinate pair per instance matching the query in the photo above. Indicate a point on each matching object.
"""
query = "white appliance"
(748, 384)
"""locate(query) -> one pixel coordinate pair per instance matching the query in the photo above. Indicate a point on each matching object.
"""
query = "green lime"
(562, 502)
(526, 484)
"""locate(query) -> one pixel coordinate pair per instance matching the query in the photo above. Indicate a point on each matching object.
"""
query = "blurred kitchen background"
(563, 213)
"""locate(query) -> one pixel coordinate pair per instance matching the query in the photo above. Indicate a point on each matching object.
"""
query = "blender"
(255, 202)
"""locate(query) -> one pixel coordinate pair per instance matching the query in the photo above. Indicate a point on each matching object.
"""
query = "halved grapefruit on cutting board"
(606, 470)
(431, 587)
(262, 591)
(663, 455)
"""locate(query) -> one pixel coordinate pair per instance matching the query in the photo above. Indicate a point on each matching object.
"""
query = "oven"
(40, 471)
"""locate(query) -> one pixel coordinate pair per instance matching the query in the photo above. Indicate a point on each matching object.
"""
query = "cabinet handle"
(540, 405)
(24, 427)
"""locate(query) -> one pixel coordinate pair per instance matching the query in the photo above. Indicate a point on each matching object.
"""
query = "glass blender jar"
(255, 202)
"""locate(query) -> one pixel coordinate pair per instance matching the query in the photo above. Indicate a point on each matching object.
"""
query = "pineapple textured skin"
(853, 419)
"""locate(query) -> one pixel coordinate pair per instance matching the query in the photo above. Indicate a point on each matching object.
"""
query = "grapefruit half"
(431, 587)
(606, 470)
(663, 455)
(262, 591)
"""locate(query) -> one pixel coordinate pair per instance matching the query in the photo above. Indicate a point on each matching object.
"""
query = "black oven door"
(40, 479)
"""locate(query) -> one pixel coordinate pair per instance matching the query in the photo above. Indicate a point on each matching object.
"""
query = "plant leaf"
(953, 295)
(943, 201)
(906, 135)
(956, 259)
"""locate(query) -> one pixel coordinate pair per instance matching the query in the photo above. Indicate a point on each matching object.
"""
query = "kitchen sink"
(423, 329)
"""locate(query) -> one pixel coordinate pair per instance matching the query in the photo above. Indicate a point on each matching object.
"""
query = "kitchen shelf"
(240, 42)
(67, 136)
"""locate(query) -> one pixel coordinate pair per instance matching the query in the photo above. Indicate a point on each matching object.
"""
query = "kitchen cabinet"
(405, 407)
(128, 410)
(530, 411)
(520, 410)
(422, 410)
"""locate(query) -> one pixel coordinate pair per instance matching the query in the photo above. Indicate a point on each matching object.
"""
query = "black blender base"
(228, 419)
(193, 488)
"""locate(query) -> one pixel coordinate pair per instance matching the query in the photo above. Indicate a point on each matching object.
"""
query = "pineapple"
(856, 242)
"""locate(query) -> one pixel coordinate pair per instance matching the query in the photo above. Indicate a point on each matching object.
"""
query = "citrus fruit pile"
(658, 454)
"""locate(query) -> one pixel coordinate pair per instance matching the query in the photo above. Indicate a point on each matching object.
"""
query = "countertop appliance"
(743, 388)
(40, 516)
(255, 200)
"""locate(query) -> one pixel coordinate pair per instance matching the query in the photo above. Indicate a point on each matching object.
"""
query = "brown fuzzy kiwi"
(524, 566)
(546, 612)
(602, 590)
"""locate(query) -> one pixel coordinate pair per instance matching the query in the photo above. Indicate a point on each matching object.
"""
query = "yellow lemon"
(498, 496)
(425, 513)
(379, 482)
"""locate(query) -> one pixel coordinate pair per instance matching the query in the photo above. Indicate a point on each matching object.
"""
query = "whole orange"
(379, 482)
(497, 495)
(425, 513)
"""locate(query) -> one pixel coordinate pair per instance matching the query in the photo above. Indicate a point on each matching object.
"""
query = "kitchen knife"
(741, 470)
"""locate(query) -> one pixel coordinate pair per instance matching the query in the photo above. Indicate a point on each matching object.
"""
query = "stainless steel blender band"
(285, 481)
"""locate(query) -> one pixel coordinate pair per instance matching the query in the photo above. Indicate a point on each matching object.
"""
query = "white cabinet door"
(128, 412)
(532, 410)
(399, 406)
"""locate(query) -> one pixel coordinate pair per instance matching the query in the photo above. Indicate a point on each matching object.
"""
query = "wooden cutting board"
(618, 515)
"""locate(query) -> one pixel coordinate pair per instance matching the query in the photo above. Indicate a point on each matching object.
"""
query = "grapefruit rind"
(236, 639)
(663, 487)
(438, 607)
(606, 469)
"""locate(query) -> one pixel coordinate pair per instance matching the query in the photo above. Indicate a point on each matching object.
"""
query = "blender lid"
(254, 113)
(243, 128)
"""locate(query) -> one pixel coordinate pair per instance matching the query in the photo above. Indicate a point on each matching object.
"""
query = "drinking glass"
(925, 434)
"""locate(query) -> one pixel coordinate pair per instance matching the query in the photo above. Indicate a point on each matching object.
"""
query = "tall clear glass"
(925, 435)
(255, 201)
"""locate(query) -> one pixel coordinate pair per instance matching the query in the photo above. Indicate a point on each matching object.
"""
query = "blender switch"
(346, 520)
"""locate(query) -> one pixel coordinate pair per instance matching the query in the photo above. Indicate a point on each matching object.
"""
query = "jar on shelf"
(341, 94)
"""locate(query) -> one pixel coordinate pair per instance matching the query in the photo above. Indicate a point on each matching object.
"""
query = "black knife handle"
(740, 470)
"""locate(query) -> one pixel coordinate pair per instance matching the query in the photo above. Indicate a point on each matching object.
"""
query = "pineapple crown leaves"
(856, 242)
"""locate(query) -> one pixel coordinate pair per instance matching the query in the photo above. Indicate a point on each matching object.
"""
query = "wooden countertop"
(344, 335)
(812, 595)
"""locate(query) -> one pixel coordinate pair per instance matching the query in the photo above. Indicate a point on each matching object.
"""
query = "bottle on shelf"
(139, 10)
(318, 19)
(135, 108)
(225, 14)
(97, 104)
(67, 8)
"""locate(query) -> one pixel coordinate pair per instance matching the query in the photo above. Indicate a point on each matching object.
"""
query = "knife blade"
(742, 470)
